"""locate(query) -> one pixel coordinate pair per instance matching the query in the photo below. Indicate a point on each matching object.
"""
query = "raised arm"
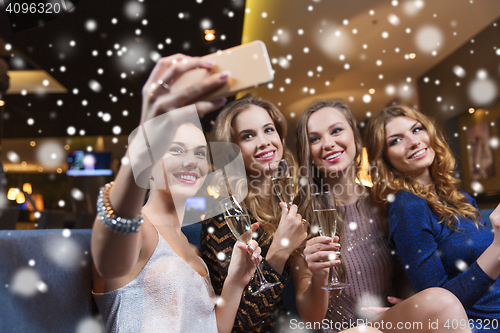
(115, 254)
(489, 261)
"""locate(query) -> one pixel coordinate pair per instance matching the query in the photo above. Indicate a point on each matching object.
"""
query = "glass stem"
(332, 276)
(262, 279)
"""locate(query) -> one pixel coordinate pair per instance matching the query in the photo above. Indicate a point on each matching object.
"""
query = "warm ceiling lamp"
(471, 110)
(412, 56)
(20, 199)
(27, 188)
(371, 91)
(209, 35)
(11, 195)
(2, 103)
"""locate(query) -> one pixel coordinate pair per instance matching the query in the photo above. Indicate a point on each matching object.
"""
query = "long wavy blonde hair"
(310, 173)
(265, 211)
(443, 197)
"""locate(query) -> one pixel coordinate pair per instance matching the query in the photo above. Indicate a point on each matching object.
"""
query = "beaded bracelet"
(111, 221)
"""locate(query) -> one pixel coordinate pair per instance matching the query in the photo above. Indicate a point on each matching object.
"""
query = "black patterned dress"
(259, 313)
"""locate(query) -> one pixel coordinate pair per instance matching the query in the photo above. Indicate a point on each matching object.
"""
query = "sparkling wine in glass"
(236, 217)
(282, 180)
(326, 217)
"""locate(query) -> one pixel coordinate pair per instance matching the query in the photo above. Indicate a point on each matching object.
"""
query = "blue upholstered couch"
(46, 277)
(45, 280)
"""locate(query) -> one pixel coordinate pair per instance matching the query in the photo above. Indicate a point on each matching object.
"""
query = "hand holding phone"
(248, 66)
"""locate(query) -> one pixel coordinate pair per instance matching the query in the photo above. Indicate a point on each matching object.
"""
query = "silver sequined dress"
(168, 295)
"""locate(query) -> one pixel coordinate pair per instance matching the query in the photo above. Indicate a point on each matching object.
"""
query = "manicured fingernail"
(390, 298)
(209, 63)
(256, 256)
(224, 75)
(253, 247)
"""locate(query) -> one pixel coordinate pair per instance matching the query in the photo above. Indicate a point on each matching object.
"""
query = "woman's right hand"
(322, 253)
(291, 232)
(157, 99)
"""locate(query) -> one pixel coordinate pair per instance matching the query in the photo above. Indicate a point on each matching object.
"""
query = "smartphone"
(248, 64)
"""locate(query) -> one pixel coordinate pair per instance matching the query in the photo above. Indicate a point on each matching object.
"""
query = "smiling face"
(256, 135)
(185, 164)
(408, 147)
(331, 140)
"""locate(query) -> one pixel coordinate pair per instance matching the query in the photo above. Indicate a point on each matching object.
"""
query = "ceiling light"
(471, 110)
(412, 56)
(209, 35)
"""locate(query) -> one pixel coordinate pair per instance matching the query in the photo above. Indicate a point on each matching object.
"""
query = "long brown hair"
(443, 197)
(310, 173)
(265, 211)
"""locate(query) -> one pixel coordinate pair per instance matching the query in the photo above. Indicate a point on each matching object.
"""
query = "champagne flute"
(236, 217)
(325, 215)
(282, 180)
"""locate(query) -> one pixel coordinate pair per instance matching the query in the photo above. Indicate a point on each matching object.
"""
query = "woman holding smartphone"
(329, 148)
(146, 276)
(436, 229)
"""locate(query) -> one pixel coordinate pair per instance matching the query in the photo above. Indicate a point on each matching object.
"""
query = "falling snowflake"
(482, 90)
(428, 38)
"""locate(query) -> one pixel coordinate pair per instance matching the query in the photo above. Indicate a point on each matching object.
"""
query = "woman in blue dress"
(436, 229)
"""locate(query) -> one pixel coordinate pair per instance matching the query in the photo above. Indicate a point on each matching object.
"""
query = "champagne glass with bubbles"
(326, 217)
(281, 177)
(236, 217)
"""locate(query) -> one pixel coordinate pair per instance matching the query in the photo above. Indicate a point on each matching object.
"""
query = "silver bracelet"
(110, 220)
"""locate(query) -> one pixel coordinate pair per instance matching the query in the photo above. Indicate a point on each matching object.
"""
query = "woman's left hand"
(244, 260)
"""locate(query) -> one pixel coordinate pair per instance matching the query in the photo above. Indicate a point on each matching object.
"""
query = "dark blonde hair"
(443, 197)
(265, 211)
(312, 174)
